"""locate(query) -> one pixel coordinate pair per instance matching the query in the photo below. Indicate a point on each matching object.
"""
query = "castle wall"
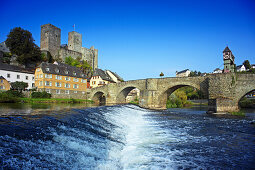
(90, 55)
(63, 53)
(50, 39)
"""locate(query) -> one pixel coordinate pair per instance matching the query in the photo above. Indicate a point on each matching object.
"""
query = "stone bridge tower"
(50, 39)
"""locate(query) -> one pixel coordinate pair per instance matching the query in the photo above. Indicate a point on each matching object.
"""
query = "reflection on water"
(28, 108)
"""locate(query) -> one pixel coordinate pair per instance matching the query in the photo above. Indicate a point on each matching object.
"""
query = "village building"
(240, 68)
(229, 61)
(4, 84)
(183, 73)
(61, 80)
(15, 73)
(217, 70)
(101, 78)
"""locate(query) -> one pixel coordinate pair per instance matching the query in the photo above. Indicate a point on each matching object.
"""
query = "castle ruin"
(51, 39)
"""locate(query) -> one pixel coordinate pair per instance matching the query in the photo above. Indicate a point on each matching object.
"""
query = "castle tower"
(229, 60)
(74, 41)
(50, 39)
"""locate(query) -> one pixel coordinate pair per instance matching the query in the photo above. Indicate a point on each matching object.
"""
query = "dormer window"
(66, 72)
(82, 75)
(74, 73)
(57, 70)
(47, 69)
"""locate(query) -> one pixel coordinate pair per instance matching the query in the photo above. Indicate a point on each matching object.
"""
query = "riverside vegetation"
(14, 96)
(179, 98)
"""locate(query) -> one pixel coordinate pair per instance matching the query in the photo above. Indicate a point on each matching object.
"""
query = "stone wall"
(74, 41)
(50, 39)
(64, 52)
(222, 90)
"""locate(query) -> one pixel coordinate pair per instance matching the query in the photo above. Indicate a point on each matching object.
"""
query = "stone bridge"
(223, 91)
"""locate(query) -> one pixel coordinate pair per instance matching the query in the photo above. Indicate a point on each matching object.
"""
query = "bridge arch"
(123, 93)
(99, 97)
(242, 93)
(168, 90)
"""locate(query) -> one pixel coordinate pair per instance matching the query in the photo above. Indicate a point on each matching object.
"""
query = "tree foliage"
(19, 85)
(21, 43)
(247, 64)
(195, 73)
(161, 74)
(82, 64)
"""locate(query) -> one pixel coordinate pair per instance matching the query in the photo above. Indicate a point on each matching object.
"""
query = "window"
(48, 76)
(75, 92)
(18, 76)
(2, 81)
(38, 70)
(67, 91)
(47, 69)
(57, 91)
(83, 81)
(8, 75)
(33, 84)
(41, 75)
(93, 82)
(83, 92)
(75, 79)
(67, 85)
(66, 72)
(57, 70)
(26, 77)
(33, 77)
(47, 83)
(67, 78)
(58, 84)
(1, 87)
(41, 83)
(47, 90)
(58, 77)
(75, 86)
(74, 73)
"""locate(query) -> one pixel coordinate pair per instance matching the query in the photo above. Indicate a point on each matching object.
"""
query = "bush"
(43, 94)
(7, 98)
(15, 93)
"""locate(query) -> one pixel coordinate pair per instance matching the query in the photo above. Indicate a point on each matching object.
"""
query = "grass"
(54, 100)
(239, 113)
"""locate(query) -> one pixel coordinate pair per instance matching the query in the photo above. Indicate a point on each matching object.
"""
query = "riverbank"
(54, 100)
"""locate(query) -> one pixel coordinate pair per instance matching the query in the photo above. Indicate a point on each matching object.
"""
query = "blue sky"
(140, 39)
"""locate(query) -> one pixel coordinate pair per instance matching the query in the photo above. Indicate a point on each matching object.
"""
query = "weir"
(223, 91)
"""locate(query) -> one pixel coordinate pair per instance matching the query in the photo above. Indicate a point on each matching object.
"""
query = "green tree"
(247, 64)
(21, 43)
(161, 74)
(19, 85)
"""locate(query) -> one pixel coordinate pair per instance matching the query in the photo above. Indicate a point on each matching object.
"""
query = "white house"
(183, 73)
(101, 77)
(253, 66)
(217, 70)
(240, 68)
(14, 73)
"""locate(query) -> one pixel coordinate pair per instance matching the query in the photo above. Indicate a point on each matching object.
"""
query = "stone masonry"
(223, 91)
(51, 39)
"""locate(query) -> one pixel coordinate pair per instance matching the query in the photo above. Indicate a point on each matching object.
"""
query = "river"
(126, 137)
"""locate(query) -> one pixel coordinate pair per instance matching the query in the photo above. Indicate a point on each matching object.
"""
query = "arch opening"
(99, 98)
(247, 101)
(181, 96)
(128, 95)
